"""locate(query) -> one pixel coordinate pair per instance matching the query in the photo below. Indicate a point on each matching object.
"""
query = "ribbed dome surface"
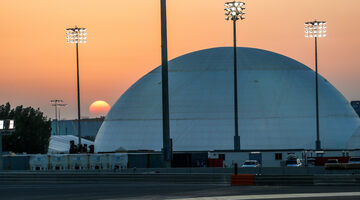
(276, 99)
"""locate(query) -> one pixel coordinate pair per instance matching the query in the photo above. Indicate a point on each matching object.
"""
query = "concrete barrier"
(99, 161)
(118, 161)
(39, 162)
(19, 162)
(59, 162)
(79, 162)
(283, 180)
(80, 177)
(336, 179)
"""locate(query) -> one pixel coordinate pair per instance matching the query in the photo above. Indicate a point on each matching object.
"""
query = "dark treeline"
(32, 132)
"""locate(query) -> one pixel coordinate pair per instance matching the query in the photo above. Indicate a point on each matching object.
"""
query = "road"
(146, 190)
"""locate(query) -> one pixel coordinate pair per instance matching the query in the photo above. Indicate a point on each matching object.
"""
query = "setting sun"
(99, 108)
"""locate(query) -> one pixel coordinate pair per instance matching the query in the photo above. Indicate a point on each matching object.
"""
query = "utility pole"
(56, 103)
(60, 105)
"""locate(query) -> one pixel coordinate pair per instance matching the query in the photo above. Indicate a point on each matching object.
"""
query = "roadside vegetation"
(32, 130)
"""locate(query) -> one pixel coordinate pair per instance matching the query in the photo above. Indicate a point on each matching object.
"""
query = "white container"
(39, 162)
(99, 161)
(59, 162)
(118, 161)
(79, 161)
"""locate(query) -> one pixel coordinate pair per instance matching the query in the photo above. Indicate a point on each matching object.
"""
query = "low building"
(277, 158)
(61, 143)
(89, 127)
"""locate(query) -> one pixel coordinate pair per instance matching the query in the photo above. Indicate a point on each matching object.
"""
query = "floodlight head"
(11, 124)
(1, 125)
(315, 29)
(76, 35)
(7, 125)
(234, 10)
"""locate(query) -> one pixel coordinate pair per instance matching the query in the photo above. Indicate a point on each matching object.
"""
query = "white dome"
(276, 99)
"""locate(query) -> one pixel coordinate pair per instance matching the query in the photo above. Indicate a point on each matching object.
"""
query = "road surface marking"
(276, 196)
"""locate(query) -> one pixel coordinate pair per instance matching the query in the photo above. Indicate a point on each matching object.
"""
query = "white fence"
(61, 162)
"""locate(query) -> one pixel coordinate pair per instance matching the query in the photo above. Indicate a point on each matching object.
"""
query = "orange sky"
(124, 43)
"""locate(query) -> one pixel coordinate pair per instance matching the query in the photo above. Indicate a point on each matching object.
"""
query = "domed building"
(276, 100)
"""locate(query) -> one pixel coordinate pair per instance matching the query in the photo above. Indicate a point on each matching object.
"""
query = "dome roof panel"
(276, 98)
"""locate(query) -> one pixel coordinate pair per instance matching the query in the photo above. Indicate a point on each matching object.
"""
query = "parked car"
(332, 161)
(354, 160)
(251, 163)
(334, 164)
(293, 163)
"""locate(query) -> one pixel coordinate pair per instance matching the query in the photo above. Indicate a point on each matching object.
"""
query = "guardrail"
(179, 178)
(66, 177)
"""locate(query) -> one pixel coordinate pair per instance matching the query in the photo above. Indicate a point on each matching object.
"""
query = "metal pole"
(1, 156)
(56, 118)
(317, 143)
(78, 93)
(165, 88)
(236, 137)
(59, 123)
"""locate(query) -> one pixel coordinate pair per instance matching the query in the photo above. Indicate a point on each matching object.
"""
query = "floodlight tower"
(315, 29)
(234, 11)
(77, 35)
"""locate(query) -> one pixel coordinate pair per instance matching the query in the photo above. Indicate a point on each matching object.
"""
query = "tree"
(32, 132)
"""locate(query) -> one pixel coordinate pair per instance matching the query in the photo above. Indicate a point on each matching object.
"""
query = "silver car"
(251, 163)
(354, 160)
(293, 163)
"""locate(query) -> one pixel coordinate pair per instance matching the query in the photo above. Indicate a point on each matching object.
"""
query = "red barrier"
(242, 179)
(320, 161)
(215, 162)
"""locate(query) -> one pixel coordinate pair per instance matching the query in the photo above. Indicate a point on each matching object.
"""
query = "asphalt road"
(107, 191)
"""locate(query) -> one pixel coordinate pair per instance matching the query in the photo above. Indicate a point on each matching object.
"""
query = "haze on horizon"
(37, 64)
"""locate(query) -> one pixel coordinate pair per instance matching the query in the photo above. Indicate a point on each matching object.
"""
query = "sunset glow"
(99, 108)
(38, 65)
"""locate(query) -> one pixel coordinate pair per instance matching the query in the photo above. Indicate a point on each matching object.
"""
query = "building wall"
(356, 106)
(268, 158)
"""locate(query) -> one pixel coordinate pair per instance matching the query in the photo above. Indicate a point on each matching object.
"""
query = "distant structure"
(61, 143)
(276, 106)
(356, 106)
(89, 127)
